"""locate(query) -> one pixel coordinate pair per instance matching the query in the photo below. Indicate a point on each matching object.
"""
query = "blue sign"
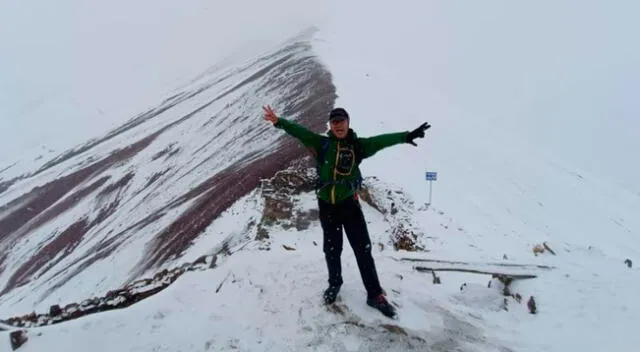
(431, 176)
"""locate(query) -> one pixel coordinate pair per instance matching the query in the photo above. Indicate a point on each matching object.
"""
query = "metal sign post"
(431, 176)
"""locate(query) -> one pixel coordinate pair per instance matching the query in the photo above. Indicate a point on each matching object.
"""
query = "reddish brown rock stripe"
(41, 198)
(309, 99)
(64, 243)
(223, 189)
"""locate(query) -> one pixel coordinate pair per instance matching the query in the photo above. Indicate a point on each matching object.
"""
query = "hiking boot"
(380, 303)
(330, 294)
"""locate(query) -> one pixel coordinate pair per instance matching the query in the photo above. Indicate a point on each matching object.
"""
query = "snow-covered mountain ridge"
(135, 200)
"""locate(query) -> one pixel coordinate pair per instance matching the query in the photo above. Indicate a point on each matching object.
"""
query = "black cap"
(338, 114)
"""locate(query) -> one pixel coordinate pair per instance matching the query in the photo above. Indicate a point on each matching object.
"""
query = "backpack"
(324, 146)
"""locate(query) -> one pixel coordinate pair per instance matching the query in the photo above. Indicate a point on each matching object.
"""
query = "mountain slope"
(136, 199)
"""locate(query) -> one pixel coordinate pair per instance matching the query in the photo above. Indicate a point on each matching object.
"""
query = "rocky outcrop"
(404, 239)
(397, 208)
(17, 339)
(115, 299)
(278, 193)
(531, 304)
(280, 209)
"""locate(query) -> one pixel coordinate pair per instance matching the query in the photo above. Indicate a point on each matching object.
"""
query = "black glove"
(417, 133)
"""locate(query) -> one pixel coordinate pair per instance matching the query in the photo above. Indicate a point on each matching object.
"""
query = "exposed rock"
(531, 304)
(517, 297)
(302, 220)
(278, 202)
(214, 261)
(394, 210)
(436, 279)
(538, 249)
(71, 306)
(145, 282)
(288, 248)
(201, 260)
(404, 239)
(505, 305)
(628, 262)
(276, 209)
(114, 299)
(55, 310)
(394, 329)
(262, 234)
(297, 178)
(397, 209)
(18, 338)
(366, 196)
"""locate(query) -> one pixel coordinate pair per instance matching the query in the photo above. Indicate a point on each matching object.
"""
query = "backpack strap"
(322, 152)
(359, 153)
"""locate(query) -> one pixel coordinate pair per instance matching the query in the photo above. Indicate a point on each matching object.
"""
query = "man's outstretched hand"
(269, 114)
(417, 133)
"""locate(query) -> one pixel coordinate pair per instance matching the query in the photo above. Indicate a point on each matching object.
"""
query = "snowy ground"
(271, 301)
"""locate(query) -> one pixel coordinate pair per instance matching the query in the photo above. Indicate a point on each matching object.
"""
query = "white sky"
(73, 69)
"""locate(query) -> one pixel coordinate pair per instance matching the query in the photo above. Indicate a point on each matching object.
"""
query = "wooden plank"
(506, 265)
(474, 271)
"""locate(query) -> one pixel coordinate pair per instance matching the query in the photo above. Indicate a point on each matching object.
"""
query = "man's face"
(340, 128)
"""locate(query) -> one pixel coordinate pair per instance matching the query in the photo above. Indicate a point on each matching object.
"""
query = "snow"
(534, 136)
(269, 300)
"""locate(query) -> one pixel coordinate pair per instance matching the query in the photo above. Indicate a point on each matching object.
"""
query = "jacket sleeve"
(372, 145)
(306, 137)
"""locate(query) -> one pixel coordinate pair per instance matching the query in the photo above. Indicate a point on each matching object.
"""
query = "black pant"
(348, 214)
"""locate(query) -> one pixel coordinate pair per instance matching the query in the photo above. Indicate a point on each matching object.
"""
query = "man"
(338, 155)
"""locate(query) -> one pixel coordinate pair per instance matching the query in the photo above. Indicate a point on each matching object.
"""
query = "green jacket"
(339, 174)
